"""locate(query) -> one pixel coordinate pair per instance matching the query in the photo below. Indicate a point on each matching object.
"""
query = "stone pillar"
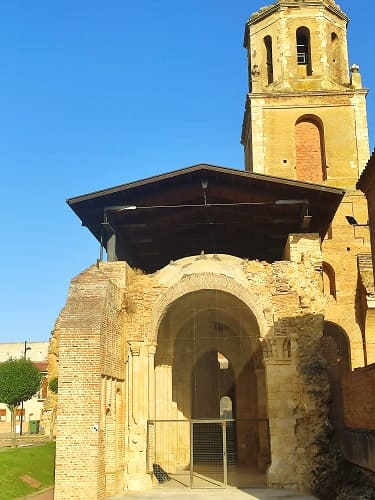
(263, 458)
(151, 445)
(151, 382)
(165, 410)
(135, 350)
(282, 421)
(138, 478)
(163, 380)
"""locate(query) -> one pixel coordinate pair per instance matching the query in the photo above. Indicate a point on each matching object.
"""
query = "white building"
(38, 353)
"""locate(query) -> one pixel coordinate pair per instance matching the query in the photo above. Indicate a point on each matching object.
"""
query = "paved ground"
(25, 440)
(217, 493)
(44, 495)
(201, 494)
(171, 493)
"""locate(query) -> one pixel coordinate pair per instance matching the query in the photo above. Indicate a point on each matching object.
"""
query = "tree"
(54, 385)
(19, 381)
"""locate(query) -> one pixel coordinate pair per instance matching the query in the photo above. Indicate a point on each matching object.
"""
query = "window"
(3, 415)
(335, 54)
(268, 47)
(303, 49)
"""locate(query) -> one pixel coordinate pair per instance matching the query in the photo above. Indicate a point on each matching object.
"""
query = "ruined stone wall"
(90, 352)
(108, 335)
(287, 302)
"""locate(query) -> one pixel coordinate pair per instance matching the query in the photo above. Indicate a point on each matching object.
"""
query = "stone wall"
(366, 183)
(286, 299)
(91, 373)
(341, 248)
(108, 339)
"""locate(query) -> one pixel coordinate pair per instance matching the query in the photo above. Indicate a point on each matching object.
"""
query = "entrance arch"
(208, 349)
(336, 350)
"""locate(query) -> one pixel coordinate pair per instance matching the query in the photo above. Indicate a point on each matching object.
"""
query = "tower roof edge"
(270, 9)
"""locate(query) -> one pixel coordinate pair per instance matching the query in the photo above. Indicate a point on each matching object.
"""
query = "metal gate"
(208, 453)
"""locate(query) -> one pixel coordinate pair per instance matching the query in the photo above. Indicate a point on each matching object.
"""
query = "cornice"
(303, 93)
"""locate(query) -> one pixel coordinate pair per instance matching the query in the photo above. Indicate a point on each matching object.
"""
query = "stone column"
(282, 421)
(151, 382)
(135, 349)
(165, 410)
(151, 445)
(263, 458)
(163, 379)
(138, 478)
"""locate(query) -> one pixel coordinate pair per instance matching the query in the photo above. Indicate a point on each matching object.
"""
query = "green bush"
(54, 385)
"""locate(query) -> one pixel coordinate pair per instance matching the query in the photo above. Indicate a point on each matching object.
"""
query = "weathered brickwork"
(309, 161)
(91, 374)
(359, 398)
(341, 252)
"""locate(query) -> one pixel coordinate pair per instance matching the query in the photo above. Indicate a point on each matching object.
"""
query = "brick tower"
(305, 119)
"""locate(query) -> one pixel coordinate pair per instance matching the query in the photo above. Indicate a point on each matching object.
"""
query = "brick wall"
(359, 398)
(358, 440)
(91, 370)
(309, 165)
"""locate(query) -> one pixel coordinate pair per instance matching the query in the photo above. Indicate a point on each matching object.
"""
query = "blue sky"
(96, 94)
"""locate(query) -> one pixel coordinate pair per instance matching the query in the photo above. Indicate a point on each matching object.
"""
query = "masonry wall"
(341, 248)
(366, 183)
(359, 398)
(359, 414)
(90, 350)
(108, 338)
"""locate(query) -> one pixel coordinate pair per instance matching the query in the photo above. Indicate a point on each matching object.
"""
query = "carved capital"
(135, 348)
(276, 348)
(152, 349)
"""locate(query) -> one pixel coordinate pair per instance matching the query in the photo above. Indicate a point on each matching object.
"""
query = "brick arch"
(310, 149)
(208, 281)
(341, 345)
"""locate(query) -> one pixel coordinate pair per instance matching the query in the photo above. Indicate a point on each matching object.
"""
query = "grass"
(36, 461)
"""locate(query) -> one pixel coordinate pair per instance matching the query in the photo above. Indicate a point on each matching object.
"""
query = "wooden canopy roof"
(204, 208)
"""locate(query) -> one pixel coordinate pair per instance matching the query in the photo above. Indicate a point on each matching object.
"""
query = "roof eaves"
(203, 166)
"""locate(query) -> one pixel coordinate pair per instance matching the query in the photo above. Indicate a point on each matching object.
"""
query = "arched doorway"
(336, 350)
(208, 352)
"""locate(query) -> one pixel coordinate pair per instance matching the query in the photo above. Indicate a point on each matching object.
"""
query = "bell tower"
(305, 115)
(305, 119)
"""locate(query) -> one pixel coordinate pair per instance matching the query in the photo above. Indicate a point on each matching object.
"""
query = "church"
(214, 344)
